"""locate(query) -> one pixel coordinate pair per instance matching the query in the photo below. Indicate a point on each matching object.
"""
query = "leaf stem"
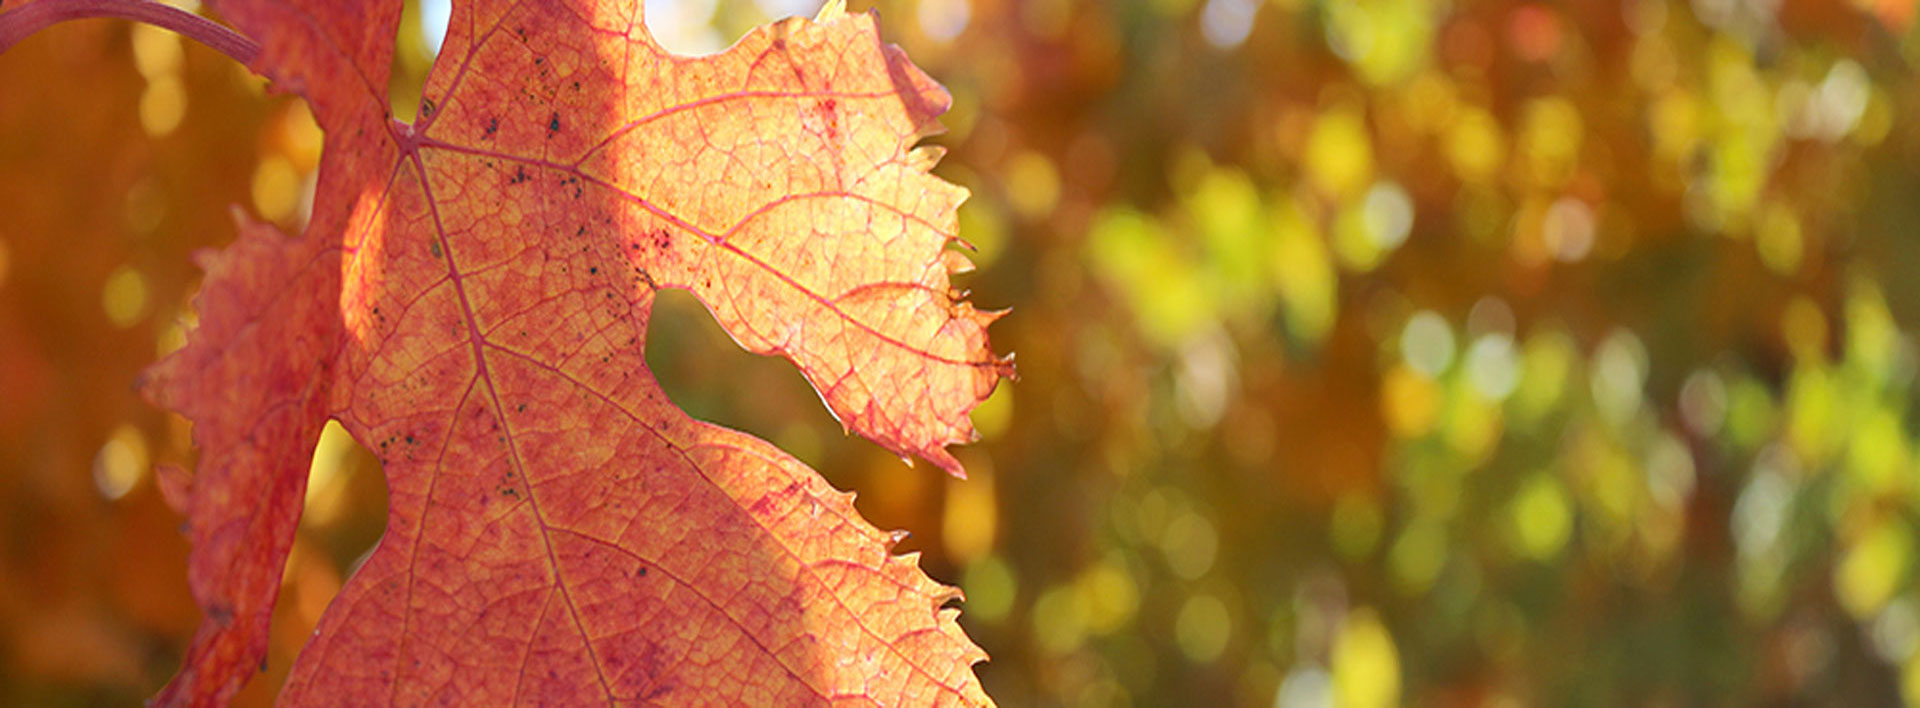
(18, 23)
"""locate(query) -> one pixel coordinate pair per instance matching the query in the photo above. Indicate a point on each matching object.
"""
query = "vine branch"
(18, 23)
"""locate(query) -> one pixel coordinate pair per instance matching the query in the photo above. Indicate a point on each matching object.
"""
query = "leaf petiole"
(17, 24)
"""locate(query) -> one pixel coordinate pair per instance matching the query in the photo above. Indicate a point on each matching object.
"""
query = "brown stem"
(27, 19)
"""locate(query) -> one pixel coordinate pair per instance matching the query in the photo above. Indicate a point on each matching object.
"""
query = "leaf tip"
(176, 486)
(957, 262)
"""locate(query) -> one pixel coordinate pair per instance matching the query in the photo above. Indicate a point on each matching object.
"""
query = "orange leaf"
(471, 300)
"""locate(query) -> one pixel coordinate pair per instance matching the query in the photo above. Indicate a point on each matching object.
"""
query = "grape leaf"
(470, 300)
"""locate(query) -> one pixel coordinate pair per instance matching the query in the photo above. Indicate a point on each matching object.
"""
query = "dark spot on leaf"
(493, 125)
(830, 118)
(435, 247)
(553, 124)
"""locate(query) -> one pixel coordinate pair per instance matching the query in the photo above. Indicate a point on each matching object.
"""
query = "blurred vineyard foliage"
(1373, 352)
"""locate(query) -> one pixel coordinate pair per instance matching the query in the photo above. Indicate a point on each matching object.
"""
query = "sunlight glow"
(684, 26)
(434, 15)
(1226, 23)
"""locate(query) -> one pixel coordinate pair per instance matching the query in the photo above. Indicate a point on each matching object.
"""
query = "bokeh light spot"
(1060, 620)
(1190, 544)
(124, 297)
(1366, 666)
(1619, 376)
(1542, 518)
(1418, 555)
(156, 52)
(1307, 686)
(1409, 401)
(1895, 631)
(1474, 145)
(276, 188)
(1670, 472)
(1534, 32)
(121, 462)
(1339, 158)
(1385, 41)
(1568, 230)
(1203, 628)
(1490, 315)
(1389, 214)
(1110, 595)
(971, 517)
(1872, 568)
(1303, 272)
(991, 589)
(1033, 185)
(1493, 366)
(1550, 139)
(943, 20)
(1760, 512)
(1226, 23)
(1703, 402)
(1427, 343)
(163, 105)
(1546, 361)
(1206, 376)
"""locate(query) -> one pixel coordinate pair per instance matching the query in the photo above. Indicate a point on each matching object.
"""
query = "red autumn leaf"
(470, 300)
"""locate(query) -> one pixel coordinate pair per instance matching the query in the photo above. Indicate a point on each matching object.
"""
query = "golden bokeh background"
(1372, 352)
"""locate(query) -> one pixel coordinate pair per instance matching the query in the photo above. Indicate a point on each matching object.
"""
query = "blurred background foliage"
(1373, 352)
